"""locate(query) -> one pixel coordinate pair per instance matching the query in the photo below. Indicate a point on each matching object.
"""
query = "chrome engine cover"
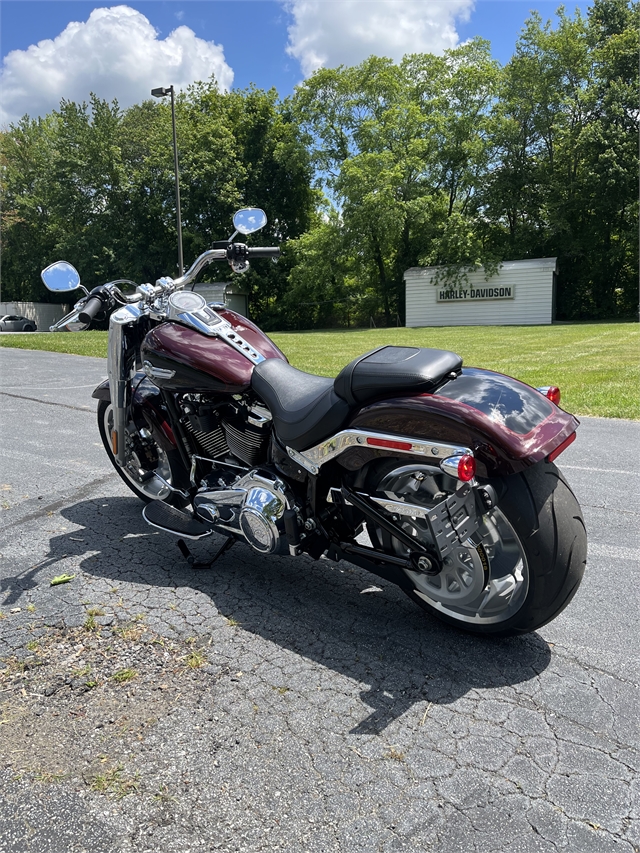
(252, 508)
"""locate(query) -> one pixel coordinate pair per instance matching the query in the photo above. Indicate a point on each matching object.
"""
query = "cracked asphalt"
(291, 705)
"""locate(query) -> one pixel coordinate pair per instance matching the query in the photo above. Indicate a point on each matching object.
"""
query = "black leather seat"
(307, 409)
(390, 370)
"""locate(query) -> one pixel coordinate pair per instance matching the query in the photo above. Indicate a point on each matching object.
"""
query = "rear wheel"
(144, 458)
(518, 571)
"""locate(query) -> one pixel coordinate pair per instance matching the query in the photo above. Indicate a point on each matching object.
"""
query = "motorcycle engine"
(253, 506)
(216, 430)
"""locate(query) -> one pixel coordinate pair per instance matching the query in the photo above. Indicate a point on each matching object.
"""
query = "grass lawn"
(596, 365)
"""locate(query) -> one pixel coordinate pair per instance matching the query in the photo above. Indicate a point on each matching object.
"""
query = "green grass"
(76, 343)
(596, 365)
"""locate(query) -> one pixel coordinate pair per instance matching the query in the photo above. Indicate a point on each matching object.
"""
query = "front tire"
(144, 457)
(521, 568)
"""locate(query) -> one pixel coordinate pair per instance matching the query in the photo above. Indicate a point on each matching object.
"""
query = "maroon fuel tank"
(199, 363)
(508, 425)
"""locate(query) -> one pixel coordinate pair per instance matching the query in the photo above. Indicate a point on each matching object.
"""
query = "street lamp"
(162, 92)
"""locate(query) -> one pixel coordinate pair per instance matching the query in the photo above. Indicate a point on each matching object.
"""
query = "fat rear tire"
(546, 517)
(517, 572)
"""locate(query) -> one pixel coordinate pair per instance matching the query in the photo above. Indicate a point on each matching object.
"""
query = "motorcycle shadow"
(337, 615)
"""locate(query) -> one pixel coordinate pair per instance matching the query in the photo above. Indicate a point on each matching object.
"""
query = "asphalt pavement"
(325, 711)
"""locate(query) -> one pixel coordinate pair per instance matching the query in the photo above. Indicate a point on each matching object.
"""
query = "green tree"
(400, 150)
(565, 183)
(95, 185)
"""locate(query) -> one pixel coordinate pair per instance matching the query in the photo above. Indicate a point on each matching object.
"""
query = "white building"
(521, 293)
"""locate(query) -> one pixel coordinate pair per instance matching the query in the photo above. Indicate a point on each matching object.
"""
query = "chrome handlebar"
(167, 285)
(199, 264)
(146, 293)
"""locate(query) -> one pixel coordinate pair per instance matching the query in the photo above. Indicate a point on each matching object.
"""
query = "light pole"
(162, 92)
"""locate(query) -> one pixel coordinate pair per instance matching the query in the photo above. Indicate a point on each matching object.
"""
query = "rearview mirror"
(61, 277)
(249, 219)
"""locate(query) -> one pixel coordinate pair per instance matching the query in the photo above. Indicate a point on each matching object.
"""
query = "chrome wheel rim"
(152, 487)
(484, 580)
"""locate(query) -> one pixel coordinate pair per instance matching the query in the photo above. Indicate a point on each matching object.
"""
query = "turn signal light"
(461, 467)
(551, 392)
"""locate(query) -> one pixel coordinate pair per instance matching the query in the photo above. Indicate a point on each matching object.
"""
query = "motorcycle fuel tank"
(182, 359)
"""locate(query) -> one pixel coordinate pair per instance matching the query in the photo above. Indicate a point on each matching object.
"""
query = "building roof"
(532, 263)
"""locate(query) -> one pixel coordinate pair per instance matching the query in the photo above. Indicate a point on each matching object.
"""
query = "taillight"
(461, 467)
(551, 392)
(555, 453)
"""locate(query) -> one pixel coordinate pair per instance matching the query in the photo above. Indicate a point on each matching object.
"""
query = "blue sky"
(122, 50)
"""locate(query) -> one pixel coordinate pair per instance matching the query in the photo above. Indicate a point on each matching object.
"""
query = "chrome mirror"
(61, 277)
(249, 219)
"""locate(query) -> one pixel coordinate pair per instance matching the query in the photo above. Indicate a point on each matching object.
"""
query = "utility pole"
(162, 92)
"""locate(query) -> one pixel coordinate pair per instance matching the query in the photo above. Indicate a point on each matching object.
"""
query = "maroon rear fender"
(508, 425)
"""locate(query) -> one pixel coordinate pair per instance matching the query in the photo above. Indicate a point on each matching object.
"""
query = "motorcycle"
(432, 475)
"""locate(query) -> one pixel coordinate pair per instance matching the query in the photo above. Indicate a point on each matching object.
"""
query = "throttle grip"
(90, 309)
(264, 252)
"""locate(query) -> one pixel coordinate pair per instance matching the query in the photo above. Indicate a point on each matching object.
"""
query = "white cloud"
(116, 54)
(345, 32)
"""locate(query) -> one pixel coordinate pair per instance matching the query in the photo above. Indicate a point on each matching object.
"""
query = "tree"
(565, 183)
(400, 150)
(95, 185)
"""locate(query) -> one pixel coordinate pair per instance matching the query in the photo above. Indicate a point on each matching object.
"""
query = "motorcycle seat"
(307, 409)
(390, 370)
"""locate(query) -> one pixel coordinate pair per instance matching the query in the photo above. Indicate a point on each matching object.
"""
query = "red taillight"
(555, 453)
(461, 467)
(394, 445)
(551, 392)
(466, 468)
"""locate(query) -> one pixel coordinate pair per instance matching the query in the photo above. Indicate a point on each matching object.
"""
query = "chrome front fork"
(119, 375)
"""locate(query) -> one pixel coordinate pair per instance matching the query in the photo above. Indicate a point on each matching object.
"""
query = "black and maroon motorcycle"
(437, 477)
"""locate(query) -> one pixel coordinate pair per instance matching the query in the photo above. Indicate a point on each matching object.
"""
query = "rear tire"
(535, 548)
(169, 465)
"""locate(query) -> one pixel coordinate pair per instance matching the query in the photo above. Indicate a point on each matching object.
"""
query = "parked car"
(13, 323)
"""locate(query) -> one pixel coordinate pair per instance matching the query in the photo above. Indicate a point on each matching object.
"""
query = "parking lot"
(291, 705)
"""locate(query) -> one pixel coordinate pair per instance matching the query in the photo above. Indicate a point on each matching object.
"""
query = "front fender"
(102, 392)
(146, 407)
(509, 425)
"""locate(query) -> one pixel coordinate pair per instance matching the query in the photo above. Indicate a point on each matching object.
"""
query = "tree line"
(364, 172)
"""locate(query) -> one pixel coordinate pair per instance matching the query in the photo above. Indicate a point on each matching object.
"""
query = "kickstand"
(197, 564)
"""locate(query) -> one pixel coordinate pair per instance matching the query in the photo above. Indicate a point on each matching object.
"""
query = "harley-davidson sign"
(476, 293)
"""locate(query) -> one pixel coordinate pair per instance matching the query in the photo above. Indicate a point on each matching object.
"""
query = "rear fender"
(509, 425)
(147, 409)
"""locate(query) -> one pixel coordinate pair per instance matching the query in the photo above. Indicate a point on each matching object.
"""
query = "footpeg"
(172, 520)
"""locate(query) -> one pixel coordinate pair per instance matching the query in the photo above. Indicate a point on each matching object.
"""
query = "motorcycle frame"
(427, 420)
(432, 425)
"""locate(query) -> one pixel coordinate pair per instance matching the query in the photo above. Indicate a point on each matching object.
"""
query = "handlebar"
(264, 252)
(199, 263)
(105, 294)
(223, 255)
(89, 310)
